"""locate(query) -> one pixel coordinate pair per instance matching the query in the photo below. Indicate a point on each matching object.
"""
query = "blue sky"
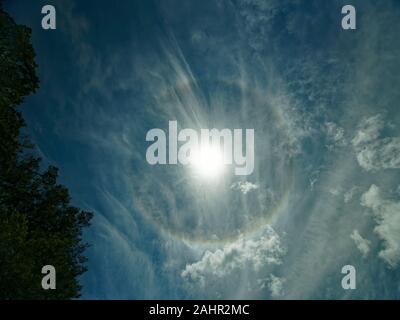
(324, 105)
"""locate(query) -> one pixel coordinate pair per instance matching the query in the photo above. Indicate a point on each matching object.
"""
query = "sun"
(207, 162)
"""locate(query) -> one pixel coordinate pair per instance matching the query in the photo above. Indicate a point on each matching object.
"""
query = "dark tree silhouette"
(38, 226)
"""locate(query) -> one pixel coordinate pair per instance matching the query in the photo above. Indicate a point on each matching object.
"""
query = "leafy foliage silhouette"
(38, 225)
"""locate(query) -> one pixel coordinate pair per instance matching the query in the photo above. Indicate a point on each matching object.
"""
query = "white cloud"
(373, 152)
(335, 135)
(245, 254)
(313, 178)
(362, 244)
(334, 191)
(382, 154)
(244, 186)
(274, 284)
(369, 130)
(348, 195)
(387, 217)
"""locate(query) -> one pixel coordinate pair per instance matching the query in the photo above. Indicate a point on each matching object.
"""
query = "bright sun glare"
(207, 162)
